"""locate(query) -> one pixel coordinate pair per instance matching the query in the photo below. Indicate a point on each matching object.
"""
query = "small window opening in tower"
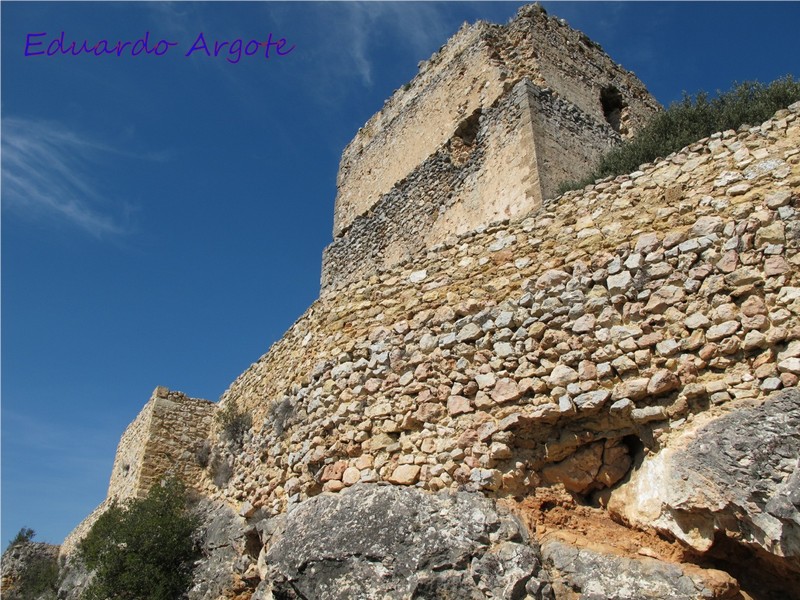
(612, 102)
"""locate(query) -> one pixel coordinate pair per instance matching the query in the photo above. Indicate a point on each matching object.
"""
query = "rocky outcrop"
(390, 542)
(74, 578)
(588, 573)
(735, 478)
(29, 571)
(226, 547)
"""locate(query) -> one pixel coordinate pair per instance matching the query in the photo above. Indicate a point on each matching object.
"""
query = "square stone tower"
(488, 128)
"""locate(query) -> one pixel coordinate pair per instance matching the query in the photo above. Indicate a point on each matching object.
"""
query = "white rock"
(790, 365)
(418, 276)
(562, 375)
(619, 283)
(485, 380)
(503, 349)
(697, 321)
(723, 330)
(428, 342)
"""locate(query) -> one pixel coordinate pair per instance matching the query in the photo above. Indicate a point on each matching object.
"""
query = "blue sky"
(163, 217)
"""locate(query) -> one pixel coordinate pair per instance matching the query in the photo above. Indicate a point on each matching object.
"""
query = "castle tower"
(488, 128)
(163, 440)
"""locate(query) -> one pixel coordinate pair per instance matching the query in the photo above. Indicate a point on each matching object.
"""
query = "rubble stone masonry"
(543, 349)
(474, 332)
(163, 440)
(490, 170)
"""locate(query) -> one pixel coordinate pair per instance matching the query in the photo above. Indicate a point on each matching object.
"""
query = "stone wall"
(415, 122)
(562, 129)
(70, 544)
(129, 459)
(482, 62)
(163, 440)
(544, 349)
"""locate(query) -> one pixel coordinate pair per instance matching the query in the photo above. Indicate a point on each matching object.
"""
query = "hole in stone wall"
(252, 543)
(629, 459)
(635, 449)
(612, 103)
(462, 143)
(547, 505)
(467, 130)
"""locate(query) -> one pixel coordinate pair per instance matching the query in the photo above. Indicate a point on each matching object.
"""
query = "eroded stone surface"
(389, 542)
(738, 475)
(590, 574)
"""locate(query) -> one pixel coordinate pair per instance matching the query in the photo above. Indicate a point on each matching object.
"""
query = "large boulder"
(738, 477)
(591, 573)
(74, 578)
(386, 542)
(229, 547)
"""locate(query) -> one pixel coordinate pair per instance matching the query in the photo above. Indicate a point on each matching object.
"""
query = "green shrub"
(234, 423)
(25, 534)
(694, 118)
(39, 579)
(221, 470)
(280, 414)
(143, 549)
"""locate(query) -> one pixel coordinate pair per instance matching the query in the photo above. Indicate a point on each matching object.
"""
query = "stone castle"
(475, 333)
(489, 127)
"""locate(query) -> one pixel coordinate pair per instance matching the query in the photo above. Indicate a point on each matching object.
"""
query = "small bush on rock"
(279, 415)
(38, 577)
(203, 453)
(221, 470)
(234, 423)
(25, 534)
(143, 549)
(39, 581)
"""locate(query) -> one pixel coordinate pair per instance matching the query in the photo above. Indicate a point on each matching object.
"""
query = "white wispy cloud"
(417, 25)
(354, 32)
(50, 173)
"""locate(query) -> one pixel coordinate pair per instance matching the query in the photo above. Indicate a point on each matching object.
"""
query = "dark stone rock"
(730, 489)
(751, 458)
(392, 542)
(602, 576)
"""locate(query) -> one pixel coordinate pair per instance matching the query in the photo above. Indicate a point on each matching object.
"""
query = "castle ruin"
(489, 127)
(475, 334)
